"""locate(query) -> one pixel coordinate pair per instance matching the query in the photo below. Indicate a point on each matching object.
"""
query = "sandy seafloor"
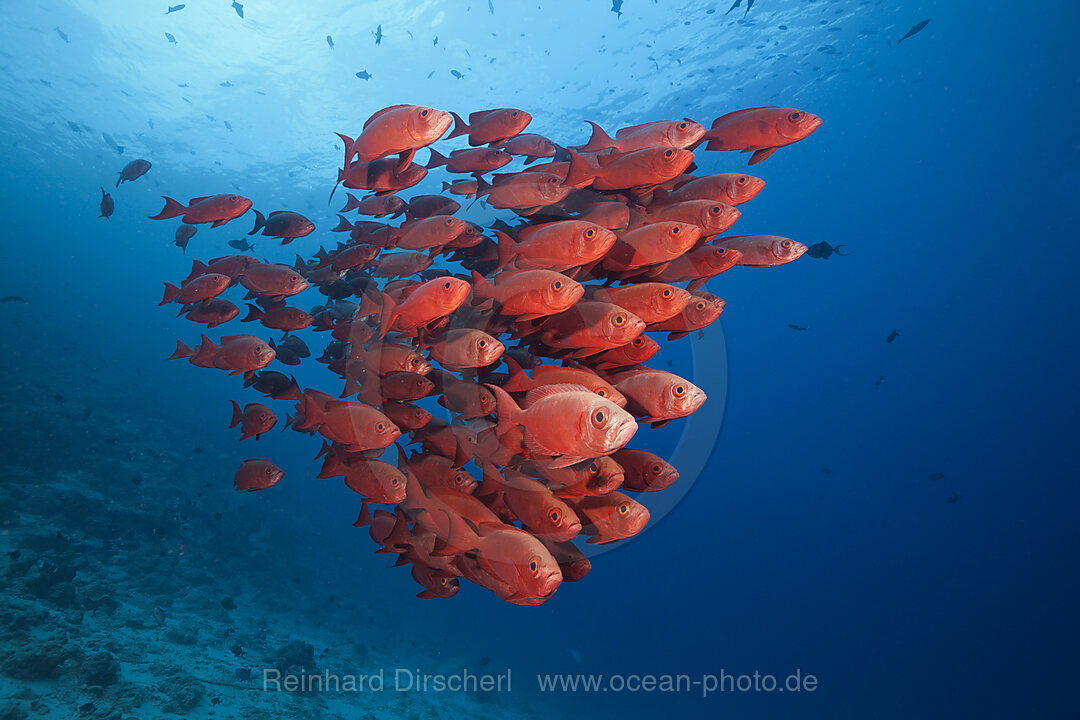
(107, 514)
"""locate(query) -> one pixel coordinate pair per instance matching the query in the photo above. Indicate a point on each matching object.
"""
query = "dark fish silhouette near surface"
(242, 245)
(133, 171)
(63, 35)
(184, 233)
(881, 379)
(364, 75)
(796, 327)
(892, 336)
(915, 30)
(170, 38)
(616, 7)
(330, 42)
(107, 205)
(936, 476)
(238, 8)
(175, 8)
(456, 74)
(954, 498)
(378, 35)
(15, 298)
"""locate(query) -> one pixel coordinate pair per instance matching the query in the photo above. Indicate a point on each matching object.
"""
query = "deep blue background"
(951, 176)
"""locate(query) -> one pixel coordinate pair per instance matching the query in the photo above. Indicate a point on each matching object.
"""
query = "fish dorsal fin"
(540, 392)
(192, 201)
(277, 212)
(382, 112)
(737, 113)
(623, 132)
(480, 115)
(331, 405)
(536, 447)
(607, 158)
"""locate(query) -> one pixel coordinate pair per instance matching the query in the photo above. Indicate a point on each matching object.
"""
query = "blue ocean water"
(814, 540)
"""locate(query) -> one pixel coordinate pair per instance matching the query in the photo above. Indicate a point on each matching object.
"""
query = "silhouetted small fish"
(826, 471)
(13, 555)
(74, 126)
(237, 651)
(378, 35)
(796, 327)
(58, 397)
(159, 614)
(228, 125)
(170, 38)
(936, 476)
(238, 8)
(107, 205)
(46, 83)
(892, 336)
(954, 498)
(243, 673)
(616, 7)
(215, 701)
(175, 8)
(330, 42)
(915, 29)
(823, 250)
(15, 298)
(87, 708)
(485, 661)
(242, 244)
(218, 516)
(435, 41)
(228, 603)
(364, 75)
(456, 74)
(881, 379)
(491, 7)
(225, 84)
(63, 35)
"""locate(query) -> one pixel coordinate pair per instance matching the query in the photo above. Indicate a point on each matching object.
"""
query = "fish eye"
(679, 391)
(599, 417)
(446, 284)
(619, 320)
(594, 467)
(638, 342)
(557, 285)
(682, 126)
(258, 349)
(741, 180)
(714, 210)
(602, 392)
(656, 468)
(482, 344)
(269, 471)
(380, 426)
(676, 230)
(794, 117)
(423, 113)
(669, 153)
(785, 243)
(442, 581)
(624, 509)
(590, 234)
(514, 114)
(533, 565)
(459, 480)
(700, 305)
(554, 181)
(294, 278)
(666, 293)
(394, 482)
(555, 515)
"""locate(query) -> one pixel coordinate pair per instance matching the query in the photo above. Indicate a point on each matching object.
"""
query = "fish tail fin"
(343, 225)
(171, 293)
(446, 185)
(351, 204)
(599, 140)
(119, 179)
(237, 414)
(581, 172)
(254, 313)
(182, 351)
(350, 147)
(387, 315)
(508, 411)
(437, 159)
(198, 267)
(518, 379)
(483, 187)
(172, 209)
(460, 126)
(399, 534)
(659, 196)
(260, 221)
(507, 248)
(365, 515)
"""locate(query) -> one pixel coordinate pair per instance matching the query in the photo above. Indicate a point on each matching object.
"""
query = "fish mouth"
(441, 123)
(814, 124)
(624, 432)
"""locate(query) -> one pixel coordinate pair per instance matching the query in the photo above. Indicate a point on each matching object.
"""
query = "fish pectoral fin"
(760, 155)
(535, 446)
(566, 461)
(659, 423)
(218, 223)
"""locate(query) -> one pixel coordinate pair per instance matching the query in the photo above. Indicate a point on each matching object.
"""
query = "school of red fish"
(611, 245)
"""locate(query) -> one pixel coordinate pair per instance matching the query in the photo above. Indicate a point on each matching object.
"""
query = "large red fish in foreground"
(532, 339)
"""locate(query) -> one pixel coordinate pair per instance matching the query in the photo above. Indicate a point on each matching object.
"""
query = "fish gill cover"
(574, 284)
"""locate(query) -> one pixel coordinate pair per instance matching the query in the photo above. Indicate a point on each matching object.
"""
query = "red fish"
(436, 583)
(274, 281)
(287, 319)
(529, 294)
(650, 245)
(390, 265)
(216, 209)
(467, 188)
(464, 348)
(531, 145)
(573, 564)
(697, 266)
(760, 130)
(283, 224)
(518, 561)
(699, 313)
(556, 246)
(254, 420)
(474, 160)
(437, 471)
(663, 133)
(524, 193)
(589, 327)
(430, 301)
(237, 354)
(652, 302)
(491, 126)
(213, 313)
(567, 423)
(518, 381)
(430, 233)
(641, 168)
(657, 395)
(356, 426)
(763, 250)
(184, 233)
(712, 217)
(406, 416)
(376, 480)
(730, 188)
(639, 350)
(541, 513)
(201, 289)
(133, 171)
(425, 206)
(257, 475)
(610, 517)
(645, 472)
(383, 177)
(396, 129)
(376, 205)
